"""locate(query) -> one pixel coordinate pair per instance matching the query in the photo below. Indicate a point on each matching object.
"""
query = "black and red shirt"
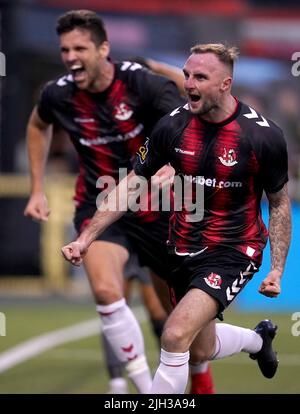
(107, 128)
(232, 162)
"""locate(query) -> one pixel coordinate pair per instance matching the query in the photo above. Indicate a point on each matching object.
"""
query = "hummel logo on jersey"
(213, 280)
(175, 111)
(254, 115)
(64, 80)
(184, 152)
(228, 157)
(123, 112)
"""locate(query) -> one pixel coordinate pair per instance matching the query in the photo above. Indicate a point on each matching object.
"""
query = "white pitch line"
(42, 343)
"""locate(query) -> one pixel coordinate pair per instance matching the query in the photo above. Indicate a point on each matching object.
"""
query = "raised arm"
(169, 71)
(39, 135)
(122, 196)
(110, 210)
(280, 236)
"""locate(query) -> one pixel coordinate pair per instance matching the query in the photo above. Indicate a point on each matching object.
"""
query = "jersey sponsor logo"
(184, 152)
(212, 182)
(213, 280)
(123, 112)
(143, 151)
(228, 157)
(254, 115)
(109, 139)
(84, 120)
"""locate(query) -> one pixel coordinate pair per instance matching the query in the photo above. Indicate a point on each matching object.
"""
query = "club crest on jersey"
(123, 112)
(228, 157)
(213, 280)
(143, 151)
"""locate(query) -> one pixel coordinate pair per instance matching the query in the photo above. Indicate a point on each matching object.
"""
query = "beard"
(206, 108)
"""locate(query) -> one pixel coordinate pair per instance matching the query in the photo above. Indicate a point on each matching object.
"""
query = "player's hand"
(74, 252)
(164, 176)
(37, 207)
(270, 286)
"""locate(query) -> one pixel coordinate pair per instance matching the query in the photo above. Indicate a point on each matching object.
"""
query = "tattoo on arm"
(279, 227)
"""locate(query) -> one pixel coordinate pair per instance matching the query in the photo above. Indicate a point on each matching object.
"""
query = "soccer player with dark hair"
(108, 109)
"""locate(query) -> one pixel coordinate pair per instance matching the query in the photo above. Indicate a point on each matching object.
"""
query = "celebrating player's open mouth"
(79, 73)
(194, 100)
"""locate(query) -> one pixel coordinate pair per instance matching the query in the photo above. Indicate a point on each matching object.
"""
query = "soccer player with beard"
(234, 153)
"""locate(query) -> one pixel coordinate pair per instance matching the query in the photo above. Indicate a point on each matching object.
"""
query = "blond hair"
(226, 54)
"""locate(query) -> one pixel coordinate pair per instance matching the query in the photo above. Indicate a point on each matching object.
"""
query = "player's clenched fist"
(74, 252)
(270, 286)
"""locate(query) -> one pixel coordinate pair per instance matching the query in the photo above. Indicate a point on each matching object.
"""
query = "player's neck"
(105, 78)
(225, 109)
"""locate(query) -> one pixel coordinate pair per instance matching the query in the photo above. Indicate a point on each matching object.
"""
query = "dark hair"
(82, 19)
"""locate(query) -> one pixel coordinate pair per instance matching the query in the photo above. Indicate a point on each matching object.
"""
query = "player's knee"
(174, 339)
(200, 355)
(107, 294)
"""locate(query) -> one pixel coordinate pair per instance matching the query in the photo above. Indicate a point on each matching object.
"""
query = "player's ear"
(104, 49)
(226, 84)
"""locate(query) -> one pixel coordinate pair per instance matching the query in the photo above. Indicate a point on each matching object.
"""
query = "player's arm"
(161, 68)
(39, 135)
(110, 210)
(150, 158)
(280, 236)
(169, 71)
(159, 95)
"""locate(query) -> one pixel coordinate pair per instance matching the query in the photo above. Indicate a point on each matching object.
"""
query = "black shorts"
(149, 242)
(133, 270)
(222, 273)
(114, 233)
(146, 239)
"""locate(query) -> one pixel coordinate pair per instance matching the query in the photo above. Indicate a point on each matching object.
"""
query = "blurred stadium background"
(39, 293)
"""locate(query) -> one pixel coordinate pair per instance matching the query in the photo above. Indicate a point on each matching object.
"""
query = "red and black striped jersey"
(107, 128)
(231, 162)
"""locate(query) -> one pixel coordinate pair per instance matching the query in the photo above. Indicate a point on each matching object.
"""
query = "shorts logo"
(214, 281)
(228, 158)
(143, 151)
(123, 112)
